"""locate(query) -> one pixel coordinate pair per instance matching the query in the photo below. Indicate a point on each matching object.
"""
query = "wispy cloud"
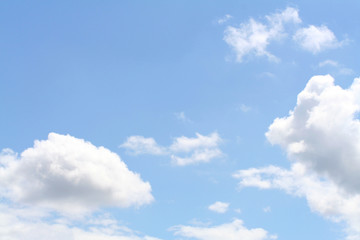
(244, 108)
(253, 37)
(340, 68)
(267, 209)
(328, 62)
(183, 151)
(182, 117)
(224, 19)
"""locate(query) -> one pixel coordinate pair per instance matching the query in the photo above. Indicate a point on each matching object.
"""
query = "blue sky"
(133, 120)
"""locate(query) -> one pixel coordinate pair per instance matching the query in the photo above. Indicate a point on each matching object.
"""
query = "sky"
(176, 120)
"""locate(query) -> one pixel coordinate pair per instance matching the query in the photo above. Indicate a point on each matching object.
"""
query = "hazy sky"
(205, 120)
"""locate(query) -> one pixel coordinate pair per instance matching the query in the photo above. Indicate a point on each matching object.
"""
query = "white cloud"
(141, 145)
(252, 38)
(186, 144)
(219, 207)
(323, 196)
(224, 19)
(183, 150)
(71, 176)
(321, 137)
(18, 224)
(198, 156)
(323, 131)
(316, 39)
(229, 231)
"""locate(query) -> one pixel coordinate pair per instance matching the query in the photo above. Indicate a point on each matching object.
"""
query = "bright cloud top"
(229, 231)
(253, 37)
(316, 39)
(183, 150)
(321, 136)
(67, 174)
(323, 131)
(219, 207)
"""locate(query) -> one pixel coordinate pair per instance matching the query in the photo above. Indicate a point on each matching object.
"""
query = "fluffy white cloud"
(323, 131)
(70, 175)
(316, 39)
(322, 195)
(321, 136)
(219, 207)
(229, 231)
(27, 224)
(183, 150)
(253, 37)
(142, 145)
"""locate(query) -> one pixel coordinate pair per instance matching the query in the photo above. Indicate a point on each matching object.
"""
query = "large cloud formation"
(321, 137)
(323, 131)
(70, 175)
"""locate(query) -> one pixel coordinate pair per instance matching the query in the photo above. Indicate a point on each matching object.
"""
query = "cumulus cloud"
(229, 231)
(23, 224)
(323, 131)
(321, 137)
(253, 37)
(183, 151)
(219, 207)
(70, 175)
(316, 39)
